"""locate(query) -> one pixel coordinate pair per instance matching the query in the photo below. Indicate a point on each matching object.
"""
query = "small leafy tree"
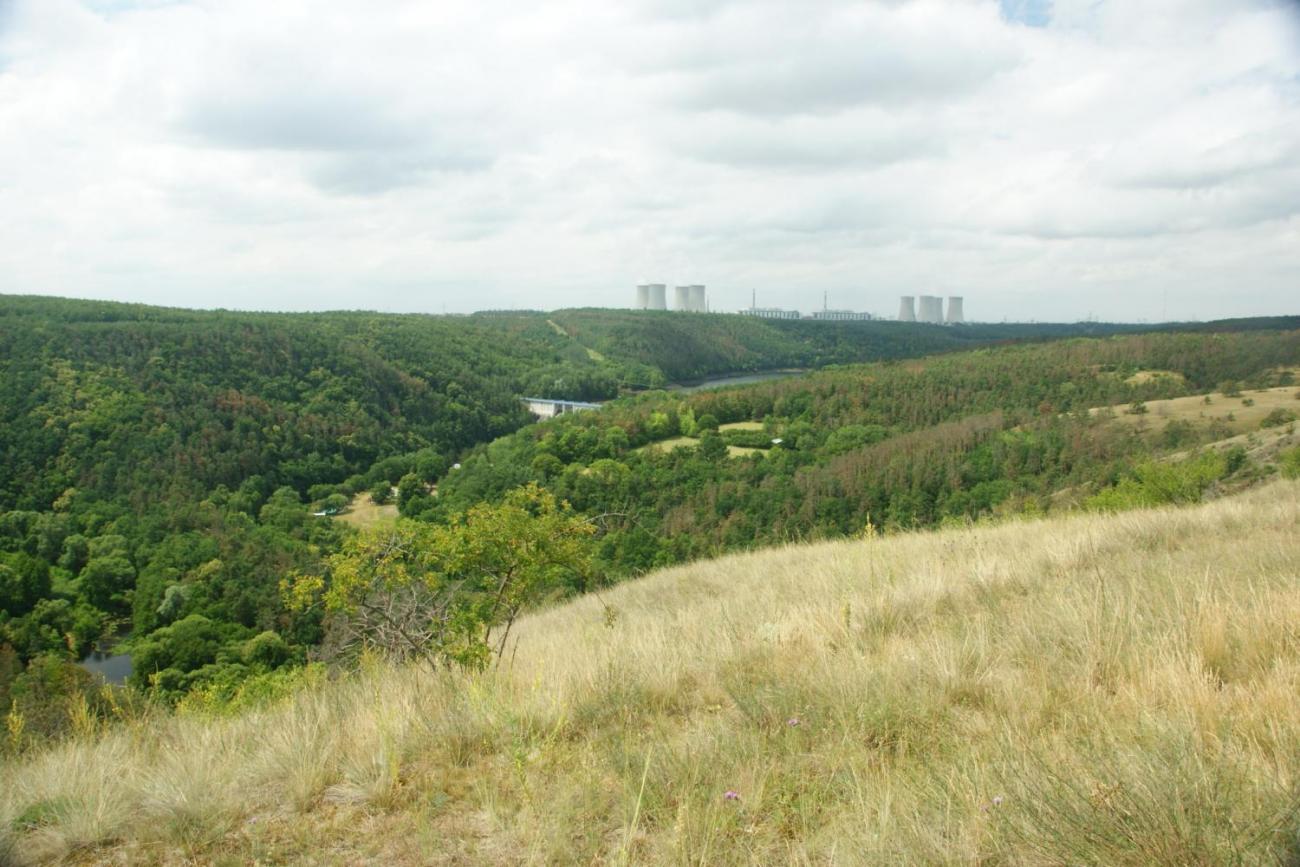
(381, 492)
(450, 593)
(1278, 417)
(712, 446)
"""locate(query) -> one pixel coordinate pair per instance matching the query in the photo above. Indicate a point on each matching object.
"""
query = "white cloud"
(1043, 159)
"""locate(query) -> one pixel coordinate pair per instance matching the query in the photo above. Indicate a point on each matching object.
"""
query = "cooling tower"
(657, 296)
(698, 303)
(931, 309)
(681, 297)
(642, 296)
(954, 310)
(907, 309)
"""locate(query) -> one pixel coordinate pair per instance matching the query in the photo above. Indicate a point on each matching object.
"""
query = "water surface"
(735, 379)
(113, 667)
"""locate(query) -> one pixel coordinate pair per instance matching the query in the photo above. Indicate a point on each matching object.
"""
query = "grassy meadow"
(363, 512)
(1091, 689)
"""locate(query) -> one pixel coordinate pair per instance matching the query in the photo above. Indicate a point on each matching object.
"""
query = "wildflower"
(731, 795)
(997, 800)
(793, 721)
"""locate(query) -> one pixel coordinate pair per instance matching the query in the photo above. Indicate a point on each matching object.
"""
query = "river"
(734, 379)
(115, 668)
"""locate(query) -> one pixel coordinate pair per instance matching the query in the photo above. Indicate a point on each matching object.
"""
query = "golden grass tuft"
(1092, 689)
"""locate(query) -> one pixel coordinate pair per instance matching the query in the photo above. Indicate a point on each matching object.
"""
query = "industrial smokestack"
(698, 303)
(682, 298)
(658, 301)
(642, 296)
(954, 310)
(906, 309)
(931, 309)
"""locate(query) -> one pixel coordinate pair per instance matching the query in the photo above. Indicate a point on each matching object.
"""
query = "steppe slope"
(1107, 689)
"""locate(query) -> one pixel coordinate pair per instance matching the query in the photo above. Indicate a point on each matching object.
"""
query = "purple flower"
(731, 795)
(793, 721)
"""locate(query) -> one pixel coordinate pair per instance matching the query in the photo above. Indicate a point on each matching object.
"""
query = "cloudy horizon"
(1045, 160)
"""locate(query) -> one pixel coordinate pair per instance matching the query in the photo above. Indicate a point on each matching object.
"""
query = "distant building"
(839, 315)
(931, 309)
(546, 408)
(770, 313)
(651, 296)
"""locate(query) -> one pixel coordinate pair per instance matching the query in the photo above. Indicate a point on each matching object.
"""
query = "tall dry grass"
(1097, 689)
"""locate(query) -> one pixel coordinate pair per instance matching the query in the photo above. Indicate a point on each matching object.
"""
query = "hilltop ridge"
(1093, 688)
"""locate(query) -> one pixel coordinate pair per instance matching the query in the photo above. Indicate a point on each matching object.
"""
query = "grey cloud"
(371, 173)
(1214, 167)
(837, 215)
(1172, 215)
(803, 146)
(813, 84)
(302, 122)
(350, 143)
(769, 60)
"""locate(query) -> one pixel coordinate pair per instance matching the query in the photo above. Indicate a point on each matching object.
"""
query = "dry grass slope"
(1239, 414)
(1095, 689)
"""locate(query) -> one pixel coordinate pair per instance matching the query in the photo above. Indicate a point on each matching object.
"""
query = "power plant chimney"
(906, 309)
(642, 297)
(954, 310)
(657, 299)
(698, 303)
(682, 298)
(931, 309)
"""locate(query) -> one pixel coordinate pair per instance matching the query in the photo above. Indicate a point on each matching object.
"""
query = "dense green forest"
(161, 467)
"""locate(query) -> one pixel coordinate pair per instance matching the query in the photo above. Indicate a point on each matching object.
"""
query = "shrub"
(266, 650)
(381, 492)
(1156, 482)
(1289, 463)
(753, 439)
(450, 594)
(47, 695)
(1278, 417)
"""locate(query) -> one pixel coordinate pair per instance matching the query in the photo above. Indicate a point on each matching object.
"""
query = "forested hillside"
(895, 445)
(685, 347)
(161, 467)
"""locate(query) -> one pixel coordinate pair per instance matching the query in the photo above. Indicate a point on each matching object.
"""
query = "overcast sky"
(1046, 159)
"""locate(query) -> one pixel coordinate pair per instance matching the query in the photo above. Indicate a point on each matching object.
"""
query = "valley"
(275, 515)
